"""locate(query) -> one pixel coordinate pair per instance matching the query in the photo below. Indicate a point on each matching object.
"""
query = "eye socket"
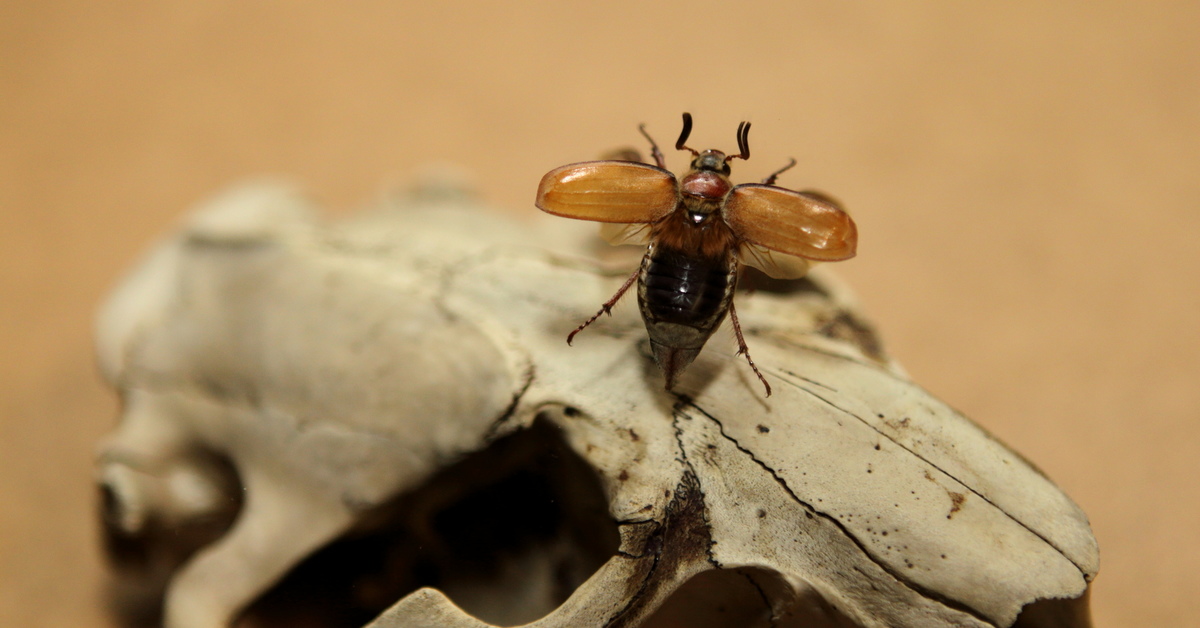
(527, 504)
(736, 597)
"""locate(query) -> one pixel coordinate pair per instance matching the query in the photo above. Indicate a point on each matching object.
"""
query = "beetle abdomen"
(683, 289)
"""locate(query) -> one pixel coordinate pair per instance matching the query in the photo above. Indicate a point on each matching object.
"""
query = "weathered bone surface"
(338, 366)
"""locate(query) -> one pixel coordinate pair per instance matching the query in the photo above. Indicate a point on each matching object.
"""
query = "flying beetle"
(698, 232)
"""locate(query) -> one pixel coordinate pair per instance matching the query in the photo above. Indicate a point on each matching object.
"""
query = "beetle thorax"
(706, 185)
(708, 180)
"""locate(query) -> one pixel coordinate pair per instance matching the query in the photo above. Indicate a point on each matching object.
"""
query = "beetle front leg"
(608, 305)
(659, 159)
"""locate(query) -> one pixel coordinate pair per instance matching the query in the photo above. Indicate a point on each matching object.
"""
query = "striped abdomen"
(683, 299)
(684, 289)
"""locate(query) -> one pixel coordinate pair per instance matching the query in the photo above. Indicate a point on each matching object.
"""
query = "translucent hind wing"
(616, 233)
(776, 264)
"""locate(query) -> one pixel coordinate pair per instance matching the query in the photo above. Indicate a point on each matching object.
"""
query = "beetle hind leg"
(744, 350)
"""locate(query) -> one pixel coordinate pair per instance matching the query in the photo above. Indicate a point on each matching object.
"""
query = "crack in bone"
(891, 571)
(915, 454)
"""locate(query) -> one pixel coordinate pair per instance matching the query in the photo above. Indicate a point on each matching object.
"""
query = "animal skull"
(287, 383)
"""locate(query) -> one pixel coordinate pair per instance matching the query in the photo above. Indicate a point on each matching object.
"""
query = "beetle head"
(713, 160)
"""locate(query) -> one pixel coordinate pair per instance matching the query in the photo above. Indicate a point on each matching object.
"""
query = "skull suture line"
(403, 361)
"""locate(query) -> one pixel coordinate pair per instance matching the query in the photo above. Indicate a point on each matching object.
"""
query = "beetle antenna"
(683, 135)
(743, 139)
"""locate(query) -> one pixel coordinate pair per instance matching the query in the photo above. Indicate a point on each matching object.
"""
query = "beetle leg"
(744, 350)
(654, 152)
(771, 179)
(607, 307)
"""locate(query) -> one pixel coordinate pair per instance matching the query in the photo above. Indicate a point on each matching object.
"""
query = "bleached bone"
(338, 366)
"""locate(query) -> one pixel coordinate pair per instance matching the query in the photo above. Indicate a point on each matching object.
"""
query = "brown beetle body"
(688, 275)
(699, 230)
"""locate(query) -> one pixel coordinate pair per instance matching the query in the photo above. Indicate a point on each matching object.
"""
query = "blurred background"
(1025, 176)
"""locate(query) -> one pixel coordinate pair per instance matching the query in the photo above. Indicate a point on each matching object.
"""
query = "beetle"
(699, 231)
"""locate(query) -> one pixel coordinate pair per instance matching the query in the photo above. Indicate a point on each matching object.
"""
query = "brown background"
(1025, 179)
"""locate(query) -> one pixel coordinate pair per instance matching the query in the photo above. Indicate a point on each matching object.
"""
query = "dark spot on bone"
(680, 543)
(623, 475)
(956, 502)
(762, 429)
(570, 412)
(762, 514)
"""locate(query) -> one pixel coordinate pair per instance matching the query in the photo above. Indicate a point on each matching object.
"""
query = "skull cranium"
(402, 364)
